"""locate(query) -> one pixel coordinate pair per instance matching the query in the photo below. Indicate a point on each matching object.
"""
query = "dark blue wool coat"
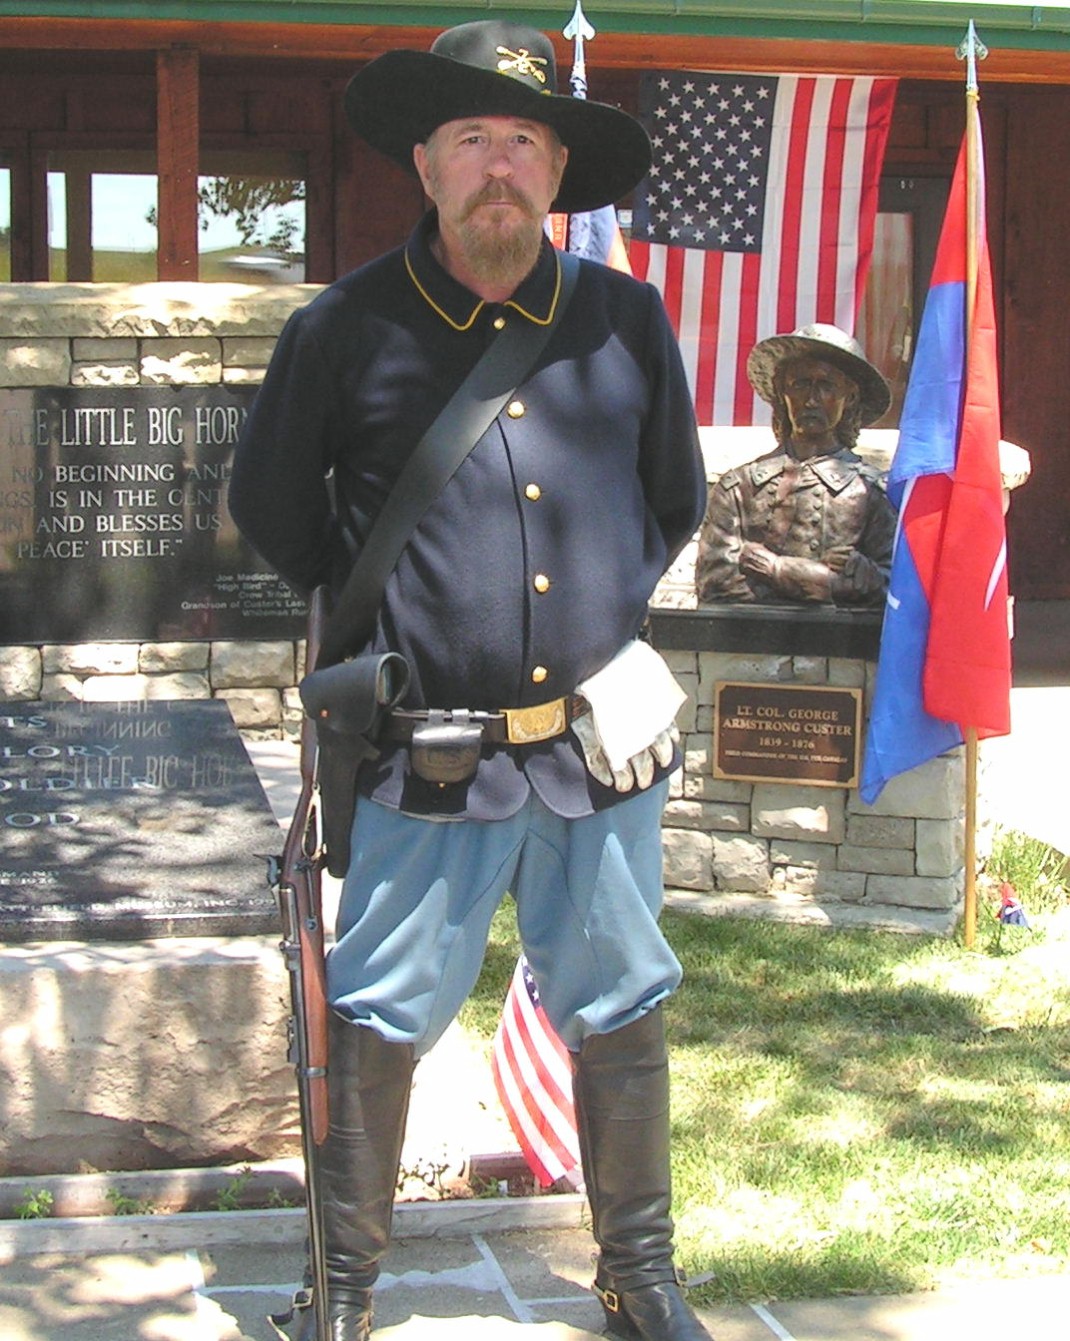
(535, 564)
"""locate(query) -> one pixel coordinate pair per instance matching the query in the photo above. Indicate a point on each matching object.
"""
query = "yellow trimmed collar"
(459, 307)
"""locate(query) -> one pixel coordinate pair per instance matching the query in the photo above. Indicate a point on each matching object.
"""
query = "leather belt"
(506, 726)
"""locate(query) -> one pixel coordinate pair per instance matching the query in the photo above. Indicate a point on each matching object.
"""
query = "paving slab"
(530, 1284)
(1032, 1309)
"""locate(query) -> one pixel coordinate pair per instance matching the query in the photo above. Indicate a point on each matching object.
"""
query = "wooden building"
(179, 93)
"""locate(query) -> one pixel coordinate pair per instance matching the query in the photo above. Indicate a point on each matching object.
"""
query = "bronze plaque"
(787, 733)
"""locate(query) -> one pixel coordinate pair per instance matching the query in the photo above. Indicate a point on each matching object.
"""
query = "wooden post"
(974, 206)
(969, 856)
(177, 144)
(29, 224)
(79, 226)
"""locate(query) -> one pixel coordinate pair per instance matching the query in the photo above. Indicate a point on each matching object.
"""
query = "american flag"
(757, 215)
(533, 1077)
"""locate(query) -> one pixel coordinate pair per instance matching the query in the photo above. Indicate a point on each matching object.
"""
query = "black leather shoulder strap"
(437, 457)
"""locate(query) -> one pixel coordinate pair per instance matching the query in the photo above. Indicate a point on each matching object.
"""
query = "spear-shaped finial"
(971, 50)
(578, 31)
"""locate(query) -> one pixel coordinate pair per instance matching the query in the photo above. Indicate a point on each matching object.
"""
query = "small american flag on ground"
(533, 1077)
(757, 214)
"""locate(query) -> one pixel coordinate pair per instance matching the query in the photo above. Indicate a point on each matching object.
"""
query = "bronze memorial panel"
(787, 733)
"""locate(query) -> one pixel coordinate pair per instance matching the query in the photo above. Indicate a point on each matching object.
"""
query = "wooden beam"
(177, 140)
(351, 43)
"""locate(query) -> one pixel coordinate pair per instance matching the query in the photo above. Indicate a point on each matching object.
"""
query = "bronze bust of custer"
(810, 521)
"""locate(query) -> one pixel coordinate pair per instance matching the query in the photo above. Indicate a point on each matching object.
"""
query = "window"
(252, 217)
(102, 216)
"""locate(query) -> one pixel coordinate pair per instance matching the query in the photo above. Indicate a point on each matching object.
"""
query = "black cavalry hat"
(494, 68)
(820, 341)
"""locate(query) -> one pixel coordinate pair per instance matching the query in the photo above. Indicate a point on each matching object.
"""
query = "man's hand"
(638, 772)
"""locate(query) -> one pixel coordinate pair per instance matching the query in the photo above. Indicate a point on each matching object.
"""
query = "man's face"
(493, 180)
(817, 394)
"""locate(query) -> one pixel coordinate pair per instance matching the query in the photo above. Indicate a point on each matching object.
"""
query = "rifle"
(296, 878)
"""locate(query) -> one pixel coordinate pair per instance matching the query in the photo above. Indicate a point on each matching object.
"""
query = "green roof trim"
(1010, 23)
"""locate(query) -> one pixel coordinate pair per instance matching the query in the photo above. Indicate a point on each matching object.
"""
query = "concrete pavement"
(1024, 777)
(216, 1277)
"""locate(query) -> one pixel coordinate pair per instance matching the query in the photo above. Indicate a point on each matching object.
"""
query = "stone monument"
(143, 995)
(129, 821)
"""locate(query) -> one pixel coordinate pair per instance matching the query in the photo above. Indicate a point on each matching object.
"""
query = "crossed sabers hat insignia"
(522, 61)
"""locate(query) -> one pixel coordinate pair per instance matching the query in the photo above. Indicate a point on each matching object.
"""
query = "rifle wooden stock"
(300, 883)
(298, 889)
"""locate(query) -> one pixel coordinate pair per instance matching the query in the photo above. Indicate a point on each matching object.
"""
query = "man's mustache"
(495, 193)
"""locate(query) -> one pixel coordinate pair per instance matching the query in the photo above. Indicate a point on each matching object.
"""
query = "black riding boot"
(369, 1081)
(621, 1089)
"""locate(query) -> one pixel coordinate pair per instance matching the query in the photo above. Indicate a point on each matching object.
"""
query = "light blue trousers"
(419, 896)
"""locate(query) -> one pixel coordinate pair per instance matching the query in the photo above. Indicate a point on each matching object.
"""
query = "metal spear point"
(578, 31)
(971, 50)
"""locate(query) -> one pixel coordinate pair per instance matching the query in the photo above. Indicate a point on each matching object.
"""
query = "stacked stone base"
(801, 852)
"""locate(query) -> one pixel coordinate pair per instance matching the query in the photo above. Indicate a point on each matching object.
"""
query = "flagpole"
(578, 31)
(971, 50)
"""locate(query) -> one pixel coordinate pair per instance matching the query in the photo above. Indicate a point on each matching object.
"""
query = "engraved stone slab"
(114, 522)
(125, 821)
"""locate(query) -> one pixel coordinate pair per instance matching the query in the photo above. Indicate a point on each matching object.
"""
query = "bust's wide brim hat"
(835, 346)
(494, 68)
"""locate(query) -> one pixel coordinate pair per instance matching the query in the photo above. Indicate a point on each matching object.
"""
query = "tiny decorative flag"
(533, 1077)
(1011, 912)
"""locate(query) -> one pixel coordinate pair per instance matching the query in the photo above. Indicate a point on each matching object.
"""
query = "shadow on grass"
(838, 1127)
(752, 1274)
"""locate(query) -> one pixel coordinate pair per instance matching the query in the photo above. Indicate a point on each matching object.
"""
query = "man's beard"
(500, 251)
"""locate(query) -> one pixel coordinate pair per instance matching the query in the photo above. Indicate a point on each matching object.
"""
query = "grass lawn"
(860, 1112)
(139, 267)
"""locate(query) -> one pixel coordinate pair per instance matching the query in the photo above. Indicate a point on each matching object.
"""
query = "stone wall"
(170, 1052)
(808, 853)
(257, 680)
(117, 335)
(101, 1041)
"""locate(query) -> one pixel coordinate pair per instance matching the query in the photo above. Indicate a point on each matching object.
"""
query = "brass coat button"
(498, 323)
(515, 409)
(539, 674)
(541, 582)
(533, 492)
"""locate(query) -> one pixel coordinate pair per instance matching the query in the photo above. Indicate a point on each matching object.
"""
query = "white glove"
(638, 771)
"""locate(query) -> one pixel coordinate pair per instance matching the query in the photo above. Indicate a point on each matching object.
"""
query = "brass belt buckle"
(526, 726)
